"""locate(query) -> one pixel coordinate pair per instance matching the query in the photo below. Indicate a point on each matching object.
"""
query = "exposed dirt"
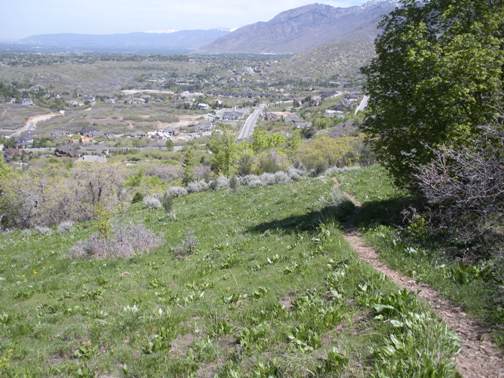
(32, 122)
(478, 357)
(226, 345)
(181, 344)
(287, 302)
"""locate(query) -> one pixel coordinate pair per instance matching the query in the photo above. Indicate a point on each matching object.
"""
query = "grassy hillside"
(271, 290)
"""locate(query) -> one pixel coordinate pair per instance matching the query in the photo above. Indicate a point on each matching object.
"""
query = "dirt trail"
(32, 122)
(478, 356)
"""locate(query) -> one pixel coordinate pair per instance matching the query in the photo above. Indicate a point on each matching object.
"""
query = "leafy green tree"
(262, 140)
(4, 170)
(225, 151)
(7, 143)
(437, 76)
(4, 177)
(188, 165)
(294, 141)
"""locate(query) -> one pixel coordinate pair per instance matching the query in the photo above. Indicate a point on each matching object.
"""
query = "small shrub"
(295, 174)
(267, 179)
(282, 178)
(104, 224)
(234, 183)
(152, 202)
(65, 227)
(202, 172)
(187, 247)
(176, 191)
(463, 191)
(125, 241)
(167, 203)
(252, 181)
(43, 230)
(138, 197)
(197, 186)
(221, 182)
(334, 363)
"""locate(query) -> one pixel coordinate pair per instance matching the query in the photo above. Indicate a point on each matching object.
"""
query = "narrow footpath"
(478, 356)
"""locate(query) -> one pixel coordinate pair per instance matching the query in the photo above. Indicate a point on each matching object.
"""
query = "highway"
(363, 105)
(248, 127)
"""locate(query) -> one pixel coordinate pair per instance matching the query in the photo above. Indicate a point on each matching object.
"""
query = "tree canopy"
(437, 76)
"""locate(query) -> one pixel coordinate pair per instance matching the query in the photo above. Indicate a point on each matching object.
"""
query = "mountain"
(180, 41)
(305, 28)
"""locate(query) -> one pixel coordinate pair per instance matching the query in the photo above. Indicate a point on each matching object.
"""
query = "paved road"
(248, 127)
(363, 105)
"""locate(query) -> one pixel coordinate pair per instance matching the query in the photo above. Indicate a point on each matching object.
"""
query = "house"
(335, 113)
(26, 102)
(89, 100)
(68, 150)
(89, 132)
(203, 106)
(24, 141)
(204, 127)
(84, 139)
(231, 116)
(76, 104)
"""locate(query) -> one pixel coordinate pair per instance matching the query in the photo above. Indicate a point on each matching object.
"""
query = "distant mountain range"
(305, 28)
(180, 41)
(291, 32)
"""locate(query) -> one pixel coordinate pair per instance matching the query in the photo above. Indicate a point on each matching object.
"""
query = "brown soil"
(478, 356)
(181, 344)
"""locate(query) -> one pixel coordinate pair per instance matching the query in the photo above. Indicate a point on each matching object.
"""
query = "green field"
(272, 289)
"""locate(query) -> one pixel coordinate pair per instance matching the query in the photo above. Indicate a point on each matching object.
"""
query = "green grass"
(272, 290)
(418, 255)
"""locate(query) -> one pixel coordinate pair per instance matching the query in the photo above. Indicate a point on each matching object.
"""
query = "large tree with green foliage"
(188, 165)
(437, 76)
(224, 150)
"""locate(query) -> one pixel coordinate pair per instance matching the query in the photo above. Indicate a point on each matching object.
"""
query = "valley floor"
(273, 289)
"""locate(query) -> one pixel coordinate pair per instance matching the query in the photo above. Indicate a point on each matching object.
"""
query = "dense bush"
(222, 182)
(464, 190)
(272, 161)
(438, 74)
(152, 202)
(35, 199)
(323, 152)
(197, 186)
(125, 241)
(225, 152)
(164, 172)
(176, 191)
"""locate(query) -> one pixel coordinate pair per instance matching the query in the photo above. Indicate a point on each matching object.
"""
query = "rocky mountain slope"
(305, 28)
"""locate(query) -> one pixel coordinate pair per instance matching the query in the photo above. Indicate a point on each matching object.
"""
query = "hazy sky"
(21, 18)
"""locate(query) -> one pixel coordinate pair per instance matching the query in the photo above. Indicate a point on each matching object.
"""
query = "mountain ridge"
(301, 29)
(184, 40)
